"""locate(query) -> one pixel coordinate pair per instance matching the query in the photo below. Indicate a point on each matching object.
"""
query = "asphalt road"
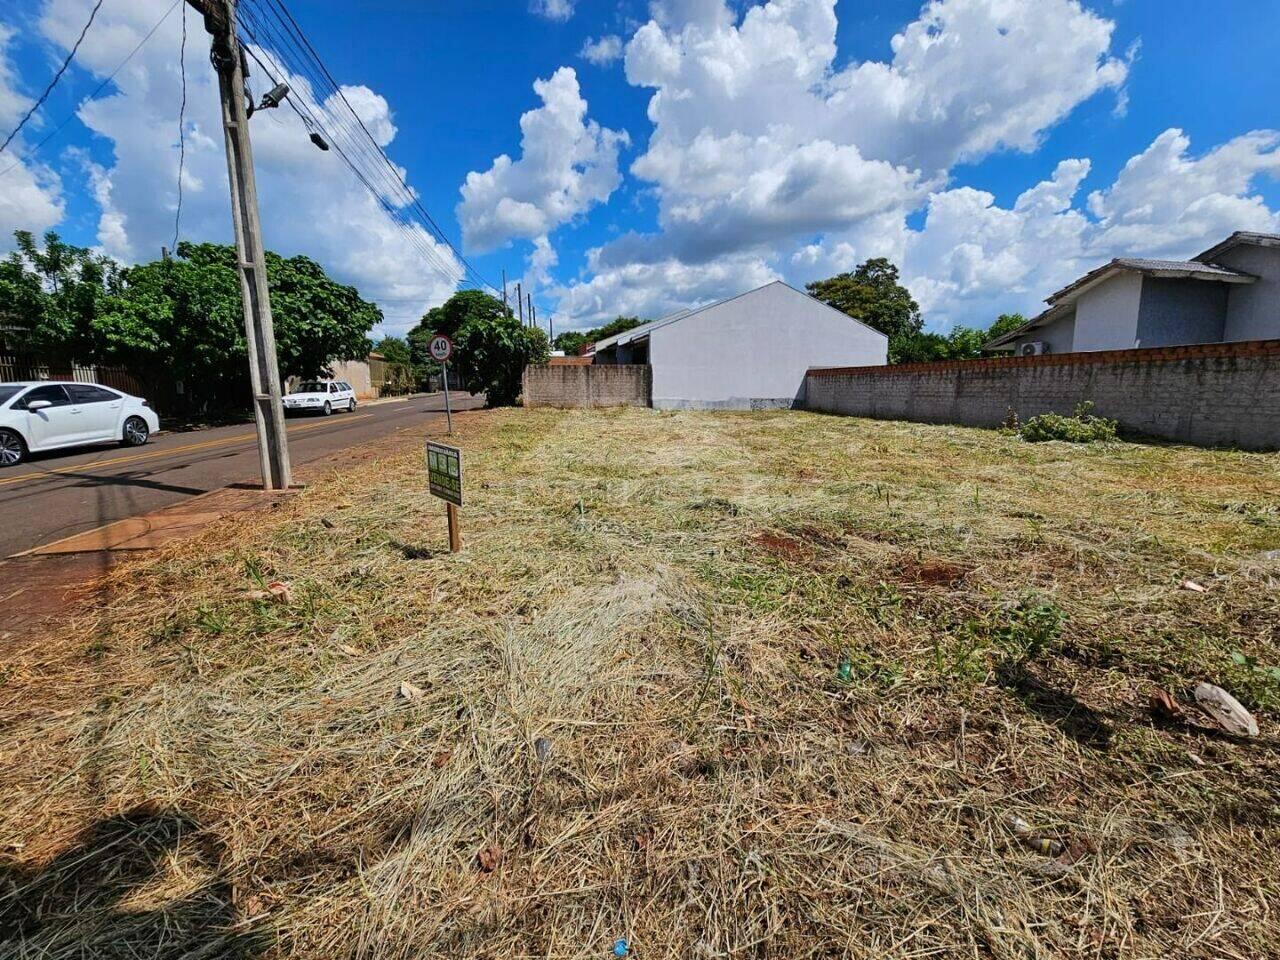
(54, 495)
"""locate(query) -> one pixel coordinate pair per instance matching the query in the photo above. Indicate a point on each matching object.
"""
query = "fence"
(15, 368)
(601, 385)
(1214, 394)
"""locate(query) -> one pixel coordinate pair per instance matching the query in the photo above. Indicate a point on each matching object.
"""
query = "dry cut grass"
(726, 686)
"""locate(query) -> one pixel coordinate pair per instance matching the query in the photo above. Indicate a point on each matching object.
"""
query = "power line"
(252, 27)
(308, 54)
(182, 132)
(56, 77)
(97, 90)
(295, 60)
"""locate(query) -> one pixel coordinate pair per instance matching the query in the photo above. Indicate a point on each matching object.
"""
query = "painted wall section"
(1107, 315)
(1059, 335)
(1177, 311)
(752, 352)
(575, 385)
(1253, 310)
(1221, 394)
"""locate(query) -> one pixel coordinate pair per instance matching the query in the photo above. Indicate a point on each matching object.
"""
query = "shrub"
(1084, 427)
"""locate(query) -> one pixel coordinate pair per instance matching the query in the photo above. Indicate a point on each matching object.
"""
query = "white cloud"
(764, 146)
(567, 164)
(602, 52)
(30, 192)
(558, 10)
(653, 289)
(311, 203)
(974, 260)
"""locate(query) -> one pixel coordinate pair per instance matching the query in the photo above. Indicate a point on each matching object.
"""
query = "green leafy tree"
(393, 349)
(50, 296)
(1005, 323)
(182, 319)
(872, 294)
(491, 347)
(572, 341)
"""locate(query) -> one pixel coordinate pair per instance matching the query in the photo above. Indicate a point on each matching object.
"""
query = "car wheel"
(12, 450)
(352, 407)
(328, 408)
(136, 432)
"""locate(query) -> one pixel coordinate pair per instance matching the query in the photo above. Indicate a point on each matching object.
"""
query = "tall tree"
(492, 347)
(872, 294)
(393, 349)
(1005, 323)
(50, 296)
(182, 319)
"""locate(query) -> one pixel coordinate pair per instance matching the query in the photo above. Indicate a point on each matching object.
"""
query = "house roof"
(637, 333)
(1239, 238)
(1061, 302)
(1178, 269)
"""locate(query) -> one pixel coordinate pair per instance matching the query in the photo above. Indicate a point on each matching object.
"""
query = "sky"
(632, 157)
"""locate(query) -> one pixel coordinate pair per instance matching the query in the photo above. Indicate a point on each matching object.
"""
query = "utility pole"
(504, 288)
(529, 297)
(520, 302)
(264, 371)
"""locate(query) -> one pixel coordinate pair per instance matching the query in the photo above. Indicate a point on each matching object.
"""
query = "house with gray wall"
(745, 353)
(1230, 293)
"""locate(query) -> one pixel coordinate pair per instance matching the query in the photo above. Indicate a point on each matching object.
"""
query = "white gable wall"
(753, 351)
(1107, 315)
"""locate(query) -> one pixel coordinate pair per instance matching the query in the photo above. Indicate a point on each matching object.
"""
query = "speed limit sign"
(440, 348)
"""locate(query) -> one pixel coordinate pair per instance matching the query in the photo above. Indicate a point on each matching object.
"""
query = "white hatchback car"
(320, 396)
(51, 414)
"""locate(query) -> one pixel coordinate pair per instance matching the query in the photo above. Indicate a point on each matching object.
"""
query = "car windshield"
(313, 386)
(7, 391)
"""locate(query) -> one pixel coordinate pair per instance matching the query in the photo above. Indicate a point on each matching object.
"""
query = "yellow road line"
(204, 445)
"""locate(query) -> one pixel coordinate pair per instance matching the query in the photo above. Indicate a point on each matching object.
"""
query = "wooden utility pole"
(520, 302)
(264, 370)
(504, 288)
(529, 298)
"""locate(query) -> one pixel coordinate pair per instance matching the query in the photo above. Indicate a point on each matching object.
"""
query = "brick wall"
(599, 385)
(1215, 394)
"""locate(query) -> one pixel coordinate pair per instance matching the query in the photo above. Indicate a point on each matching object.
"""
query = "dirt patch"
(929, 573)
(783, 547)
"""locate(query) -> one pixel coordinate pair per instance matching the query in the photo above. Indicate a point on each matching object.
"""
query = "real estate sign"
(444, 472)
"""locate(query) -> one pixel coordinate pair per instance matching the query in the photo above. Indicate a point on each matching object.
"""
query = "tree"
(1005, 323)
(393, 349)
(962, 343)
(872, 294)
(572, 341)
(491, 347)
(182, 319)
(49, 297)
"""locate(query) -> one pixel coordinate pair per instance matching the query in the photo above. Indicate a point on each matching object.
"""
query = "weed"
(1084, 427)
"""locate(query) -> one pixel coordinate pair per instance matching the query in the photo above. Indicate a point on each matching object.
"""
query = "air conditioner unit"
(1033, 349)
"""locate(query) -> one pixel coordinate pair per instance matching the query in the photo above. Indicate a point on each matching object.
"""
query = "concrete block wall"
(600, 385)
(1219, 394)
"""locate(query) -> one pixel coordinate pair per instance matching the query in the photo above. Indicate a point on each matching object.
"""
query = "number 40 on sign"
(444, 480)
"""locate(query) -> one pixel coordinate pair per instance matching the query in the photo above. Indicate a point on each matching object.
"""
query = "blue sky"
(771, 153)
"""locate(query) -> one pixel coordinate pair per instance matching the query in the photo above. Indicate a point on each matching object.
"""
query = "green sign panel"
(444, 472)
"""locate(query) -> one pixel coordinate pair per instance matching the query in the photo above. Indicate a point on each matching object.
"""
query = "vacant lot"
(764, 685)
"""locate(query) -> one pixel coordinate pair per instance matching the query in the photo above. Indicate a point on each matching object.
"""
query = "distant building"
(746, 353)
(1229, 293)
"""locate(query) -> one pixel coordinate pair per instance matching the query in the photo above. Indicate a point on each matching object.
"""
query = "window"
(333, 388)
(88, 393)
(311, 386)
(7, 392)
(55, 393)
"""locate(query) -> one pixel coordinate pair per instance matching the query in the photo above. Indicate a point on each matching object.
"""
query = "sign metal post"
(441, 349)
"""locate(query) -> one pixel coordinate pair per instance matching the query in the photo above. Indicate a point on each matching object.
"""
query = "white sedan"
(49, 415)
(320, 396)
